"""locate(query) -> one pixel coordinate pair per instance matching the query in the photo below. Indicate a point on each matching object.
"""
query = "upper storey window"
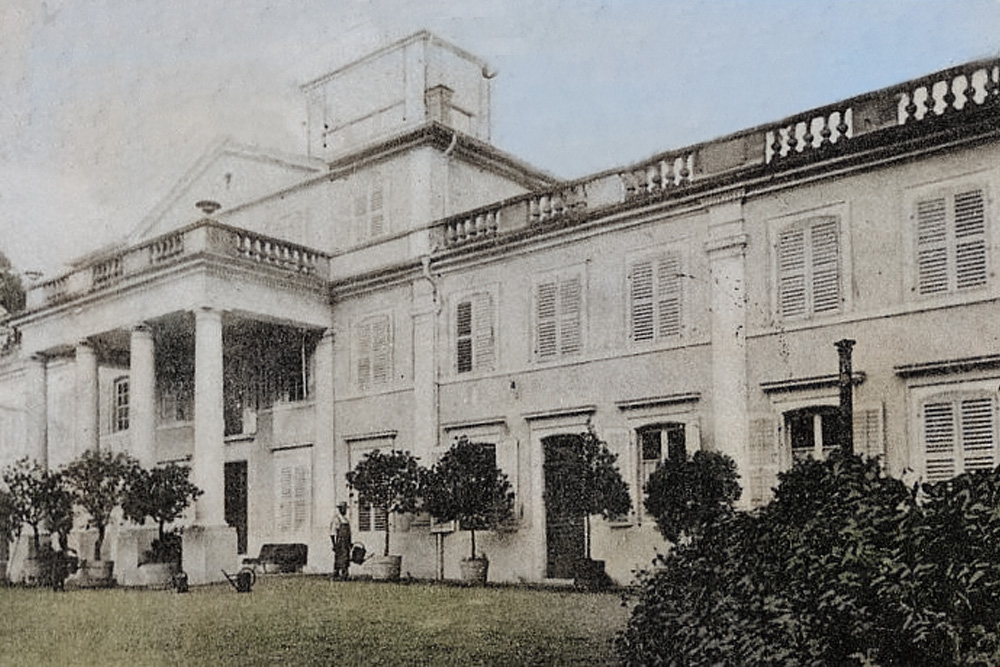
(951, 241)
(808, 255)
(558, 310)
(369, 210)
(655, 297)
(373, 352)
(474, 333)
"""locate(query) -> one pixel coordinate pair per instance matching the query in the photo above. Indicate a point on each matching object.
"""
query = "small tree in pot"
(25, 480)
(8, 529)
(161, 494)
(98, 481)
(56, 506)
(466, 486)
(589, 484)
(389, 482)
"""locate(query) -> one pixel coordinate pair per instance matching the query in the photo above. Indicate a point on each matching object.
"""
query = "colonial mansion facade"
(407, 284)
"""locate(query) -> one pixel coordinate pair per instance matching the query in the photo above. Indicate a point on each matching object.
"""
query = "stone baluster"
(534, 211)
(842, 126)
(666, 174)
(929, 102)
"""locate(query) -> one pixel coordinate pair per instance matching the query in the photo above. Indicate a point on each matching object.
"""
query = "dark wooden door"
(564, 529)
(236, 501)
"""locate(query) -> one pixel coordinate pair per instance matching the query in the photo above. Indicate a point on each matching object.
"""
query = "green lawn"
(299, 620)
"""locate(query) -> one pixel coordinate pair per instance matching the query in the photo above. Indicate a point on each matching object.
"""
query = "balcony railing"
(811, 135)
(204, 238)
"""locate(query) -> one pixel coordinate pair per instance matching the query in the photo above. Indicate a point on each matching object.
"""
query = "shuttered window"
(655, 298)
(474, 333)
(559, 316)
(951, 242)
(293, 485)
(808, 263)
(373, 350)
(959, 435)
(369, 210)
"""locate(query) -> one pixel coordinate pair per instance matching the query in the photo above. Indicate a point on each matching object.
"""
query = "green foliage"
(845, 566)
(162, 494)
(686, 495)
(27, 483)
(389, 481)
(8, 516)
(56, 507)
(12, 293)
(98, 481)
(466, 486)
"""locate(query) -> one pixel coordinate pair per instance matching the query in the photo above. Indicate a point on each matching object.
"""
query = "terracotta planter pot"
(474, 570)
(157, 576)
(385, 568)
(590, 575)
(96, 574)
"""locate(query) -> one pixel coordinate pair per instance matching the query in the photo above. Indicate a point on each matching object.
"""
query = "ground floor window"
(958, 432)
(120, 416)
(813, 432)
(293, 490)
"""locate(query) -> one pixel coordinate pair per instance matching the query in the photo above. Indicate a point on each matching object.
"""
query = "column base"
(207, 551)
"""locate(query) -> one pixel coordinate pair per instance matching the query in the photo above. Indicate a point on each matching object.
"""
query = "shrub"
(99, 480)
(686, 495)
(27, 483)
(466, 486)
(389, 482)
(161, 494)
(844, 566)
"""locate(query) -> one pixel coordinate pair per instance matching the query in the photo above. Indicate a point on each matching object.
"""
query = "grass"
(299, 620)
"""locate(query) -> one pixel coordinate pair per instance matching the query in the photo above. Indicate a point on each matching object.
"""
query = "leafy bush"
(161, 494)
(28, 483)
(99, 480)
(686, 494)
(845, 566)
(388, 481)
(466, 486)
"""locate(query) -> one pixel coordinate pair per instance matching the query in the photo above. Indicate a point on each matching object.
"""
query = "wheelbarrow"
(243, 580)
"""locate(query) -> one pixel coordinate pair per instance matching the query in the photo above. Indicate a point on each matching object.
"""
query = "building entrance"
(565, 537)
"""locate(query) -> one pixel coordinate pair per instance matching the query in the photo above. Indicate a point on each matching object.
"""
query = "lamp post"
(846, 381)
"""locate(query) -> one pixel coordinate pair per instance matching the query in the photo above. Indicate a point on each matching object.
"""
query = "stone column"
(209, 445)
(726, 249)
(425, 384)
(87, 398)
(142, 395)
(325, 474)
(36, 402)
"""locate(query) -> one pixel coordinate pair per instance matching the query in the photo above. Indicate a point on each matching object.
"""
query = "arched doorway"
(565, 536)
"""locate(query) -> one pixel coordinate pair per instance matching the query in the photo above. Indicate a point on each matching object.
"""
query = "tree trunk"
(99, 543)
(385, 552)
(473, 533)
(586, 520)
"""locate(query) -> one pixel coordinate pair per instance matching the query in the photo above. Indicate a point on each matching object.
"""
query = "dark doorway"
(565, 537)
(236, 501)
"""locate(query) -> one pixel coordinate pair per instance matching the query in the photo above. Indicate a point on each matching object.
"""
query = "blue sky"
(105, 104)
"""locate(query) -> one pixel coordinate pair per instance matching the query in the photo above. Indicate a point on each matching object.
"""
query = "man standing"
(340, 537)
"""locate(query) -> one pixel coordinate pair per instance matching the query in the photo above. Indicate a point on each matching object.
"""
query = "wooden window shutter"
(508, 460)
(364, 354)
(285, 499)
(978, 433)
(792, 272)
(301, 497)
(970, 239)
(641, 300)
(764, 460)
(483, 340)
(940, 434)
(825, 265)
(669, 296)
(570, 315)
(376, 211)
(381, 350)
(869, 438)
(463, 336)
(546, 322)
(932, 246)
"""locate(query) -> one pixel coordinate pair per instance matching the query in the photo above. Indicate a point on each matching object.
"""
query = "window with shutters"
(655, 297)
(958, 434)
(373, 351)
(120, 405)
(293, 486)
(474, 333)
(808, 259)
(369, 209)
(950, 231)
(558, 315)
(659, 442)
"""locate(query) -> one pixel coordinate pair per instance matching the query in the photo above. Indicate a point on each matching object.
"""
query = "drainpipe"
(425, 266)
(844, 348)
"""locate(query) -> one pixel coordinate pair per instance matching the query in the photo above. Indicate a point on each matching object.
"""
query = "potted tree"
(8, 529)
(590, 484)
(56, 505)
(466, 486)
(161, 494)
(98, 481)
(26, 482)
(390, 483)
